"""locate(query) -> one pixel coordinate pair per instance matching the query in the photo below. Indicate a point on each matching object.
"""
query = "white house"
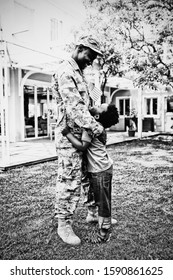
(155, 107)
(32, 38)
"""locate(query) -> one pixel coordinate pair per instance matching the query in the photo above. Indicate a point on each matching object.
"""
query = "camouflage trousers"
(68, 184)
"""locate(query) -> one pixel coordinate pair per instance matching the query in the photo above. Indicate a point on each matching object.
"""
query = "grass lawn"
(142, 202)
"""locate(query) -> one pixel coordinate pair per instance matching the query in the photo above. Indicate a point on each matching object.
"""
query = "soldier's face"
(86, 57)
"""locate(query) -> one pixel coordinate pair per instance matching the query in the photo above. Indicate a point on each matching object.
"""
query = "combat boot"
(67, 234)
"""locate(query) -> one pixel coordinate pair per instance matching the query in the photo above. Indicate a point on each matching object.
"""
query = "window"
(170, 104)
(151, 106)
(56, 29)
(154, 106)
(124, 106)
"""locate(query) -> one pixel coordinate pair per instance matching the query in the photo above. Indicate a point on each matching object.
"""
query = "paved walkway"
(35, 151)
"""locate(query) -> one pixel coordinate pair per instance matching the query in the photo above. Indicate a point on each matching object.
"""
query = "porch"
(41, 150)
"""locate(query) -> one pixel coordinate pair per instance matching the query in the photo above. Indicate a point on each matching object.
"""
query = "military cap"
(89, 42)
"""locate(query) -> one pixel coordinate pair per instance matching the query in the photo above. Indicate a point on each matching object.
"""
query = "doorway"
(38, 111)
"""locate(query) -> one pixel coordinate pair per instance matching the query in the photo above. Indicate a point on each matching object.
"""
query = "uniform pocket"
(69, 165)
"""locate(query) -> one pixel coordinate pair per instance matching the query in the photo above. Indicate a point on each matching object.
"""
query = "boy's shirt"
(97, 156)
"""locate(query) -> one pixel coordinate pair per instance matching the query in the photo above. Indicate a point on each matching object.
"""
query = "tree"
(146, 29)
(111, 63)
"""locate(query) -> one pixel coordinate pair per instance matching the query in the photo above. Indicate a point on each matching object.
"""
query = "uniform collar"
(73, 64)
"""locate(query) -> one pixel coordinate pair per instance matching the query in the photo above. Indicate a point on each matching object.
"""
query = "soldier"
(72, 92)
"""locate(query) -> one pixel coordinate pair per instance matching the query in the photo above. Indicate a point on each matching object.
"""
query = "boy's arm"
(79, 145)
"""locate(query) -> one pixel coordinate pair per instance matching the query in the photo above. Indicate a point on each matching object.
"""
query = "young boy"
(99, 166)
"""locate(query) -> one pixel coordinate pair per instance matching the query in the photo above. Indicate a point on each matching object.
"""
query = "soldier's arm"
(74, 104)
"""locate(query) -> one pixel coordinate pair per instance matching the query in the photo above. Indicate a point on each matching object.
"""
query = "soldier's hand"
(65, 131)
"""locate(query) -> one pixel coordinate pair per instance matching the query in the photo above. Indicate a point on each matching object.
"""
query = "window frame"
(151, 98)
(169, 102)
(123, 98)
(56, 28)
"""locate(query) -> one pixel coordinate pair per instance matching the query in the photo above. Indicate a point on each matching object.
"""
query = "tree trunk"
(103, 84)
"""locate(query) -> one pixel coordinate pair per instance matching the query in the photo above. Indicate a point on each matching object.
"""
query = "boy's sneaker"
(97, 237)
(113, 221)
(67, 235)
(105, 238)
(91, 218)
(94, 219)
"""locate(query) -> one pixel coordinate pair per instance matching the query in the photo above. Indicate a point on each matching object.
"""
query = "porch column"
(48, 112)
(4, 104)
(35, 113)
(21, 94)
(163, 112)
(140, 113)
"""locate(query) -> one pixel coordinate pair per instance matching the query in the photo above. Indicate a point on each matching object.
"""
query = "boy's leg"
(103, 196)
(92, 215)
(102, 189)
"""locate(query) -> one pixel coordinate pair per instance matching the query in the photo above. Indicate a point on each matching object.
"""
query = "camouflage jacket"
(71, 91)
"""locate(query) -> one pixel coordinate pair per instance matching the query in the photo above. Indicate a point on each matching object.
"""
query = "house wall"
(123, 93)
(29, 21)
(28, 24)
(162, 121)
(158, 126)
(169, 122)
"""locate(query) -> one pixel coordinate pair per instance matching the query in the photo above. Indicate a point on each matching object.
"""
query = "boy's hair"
(110, 117)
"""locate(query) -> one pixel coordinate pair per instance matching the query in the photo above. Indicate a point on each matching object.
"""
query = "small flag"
(95, 93)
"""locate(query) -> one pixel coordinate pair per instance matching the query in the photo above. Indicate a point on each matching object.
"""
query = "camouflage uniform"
(71, 91)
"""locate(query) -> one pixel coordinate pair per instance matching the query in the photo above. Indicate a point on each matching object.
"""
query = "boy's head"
(106, 114)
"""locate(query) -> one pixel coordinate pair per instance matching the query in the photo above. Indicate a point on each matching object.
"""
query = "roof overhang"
(29, 58)
(120, 83)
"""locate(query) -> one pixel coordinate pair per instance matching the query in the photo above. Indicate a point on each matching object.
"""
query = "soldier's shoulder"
(65, 68)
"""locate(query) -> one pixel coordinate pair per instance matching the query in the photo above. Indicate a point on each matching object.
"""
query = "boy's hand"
(65, 131)
(98, 130)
